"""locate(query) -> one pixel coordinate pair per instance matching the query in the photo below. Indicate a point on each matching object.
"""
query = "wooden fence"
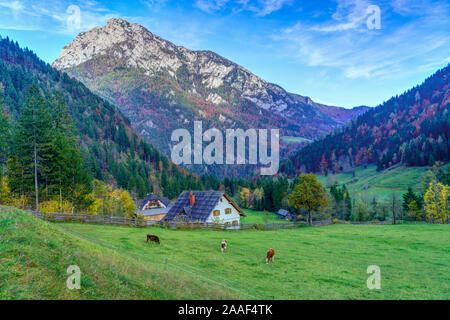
(87, 218)
(100, 219)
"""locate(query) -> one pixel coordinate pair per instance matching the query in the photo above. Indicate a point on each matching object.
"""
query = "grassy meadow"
(260, 217)
(310, 262)
(369, 183)
(35, 255)
(291, 139)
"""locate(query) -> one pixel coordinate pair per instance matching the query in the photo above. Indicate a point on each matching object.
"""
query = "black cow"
(152, 238)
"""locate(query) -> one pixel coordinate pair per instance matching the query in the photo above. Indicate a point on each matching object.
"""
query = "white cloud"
(154, 4)
(344, 43)
(266, 7)
(15, 6)
(259, 7)
(349, 14)
(210, 6)
(48, 15)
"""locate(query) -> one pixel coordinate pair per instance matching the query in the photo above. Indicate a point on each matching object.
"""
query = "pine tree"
(32, 145)
(4, 140)
(409, 197)
(348, 202)
(64, 150)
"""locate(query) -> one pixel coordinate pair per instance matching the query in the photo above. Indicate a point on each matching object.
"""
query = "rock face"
(162, 87)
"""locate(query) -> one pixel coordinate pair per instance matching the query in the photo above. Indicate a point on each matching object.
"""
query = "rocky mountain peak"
(98, 41)
(138, 48)
(161, 86)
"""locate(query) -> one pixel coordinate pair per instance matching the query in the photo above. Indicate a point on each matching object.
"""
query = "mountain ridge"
(412, 128)
(162, 87)
(113, 151)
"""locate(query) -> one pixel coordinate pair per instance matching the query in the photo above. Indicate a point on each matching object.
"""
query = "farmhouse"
(205, 207)
(154, 208)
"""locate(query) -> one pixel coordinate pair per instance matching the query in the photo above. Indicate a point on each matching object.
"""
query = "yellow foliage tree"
(437, 202)
(244, 196)
(123, 203)
(5, 194)
(53, 206)
(414, 210)
(308, 194)
(111, 202)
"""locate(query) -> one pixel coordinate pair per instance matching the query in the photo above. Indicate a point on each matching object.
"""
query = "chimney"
(191, 198)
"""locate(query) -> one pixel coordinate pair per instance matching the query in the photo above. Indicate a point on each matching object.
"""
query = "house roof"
(283, 212)
(152, 196)
(155, 212)
(205, 202)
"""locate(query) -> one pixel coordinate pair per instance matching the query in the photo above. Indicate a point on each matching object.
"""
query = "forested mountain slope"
(412, 129)
(162, 87)
(113, 151)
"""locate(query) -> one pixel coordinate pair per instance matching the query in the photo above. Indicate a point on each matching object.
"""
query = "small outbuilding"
(284, 214)
(154, 208)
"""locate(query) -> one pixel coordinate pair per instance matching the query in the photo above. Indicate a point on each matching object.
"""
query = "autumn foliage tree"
(437, 203)
(308, 194)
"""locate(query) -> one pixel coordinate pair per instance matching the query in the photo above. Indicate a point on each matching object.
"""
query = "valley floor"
(310, 262)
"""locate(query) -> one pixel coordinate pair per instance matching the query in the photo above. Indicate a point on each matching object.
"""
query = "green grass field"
(291, 139)
(35, 255)
(380, 184)
(260, 217)
(310, 262)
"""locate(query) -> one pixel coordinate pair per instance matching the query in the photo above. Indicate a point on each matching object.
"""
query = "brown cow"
(223, 245)
(270, 255)
(152, 238)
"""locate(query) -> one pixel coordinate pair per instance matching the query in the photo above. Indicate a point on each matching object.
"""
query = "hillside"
(368, 183)
(113, 151)
(412, 129)
(162, 87)
(35, 256)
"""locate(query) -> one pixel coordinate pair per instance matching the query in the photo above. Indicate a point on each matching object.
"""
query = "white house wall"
(224, 218)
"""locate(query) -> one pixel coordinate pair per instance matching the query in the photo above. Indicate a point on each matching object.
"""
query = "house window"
(235, 222)
(227, 223)
(216, 213)
(228, 211)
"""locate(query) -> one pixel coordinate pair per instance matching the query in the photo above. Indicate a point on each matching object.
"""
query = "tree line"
(412, 129)
(306, 198)
(109, 149)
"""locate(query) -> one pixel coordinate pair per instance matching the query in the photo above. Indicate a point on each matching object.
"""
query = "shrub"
(53, 206)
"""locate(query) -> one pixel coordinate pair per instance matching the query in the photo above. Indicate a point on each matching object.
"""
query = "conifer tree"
(4, 139)
(62, 164)
(32, 145)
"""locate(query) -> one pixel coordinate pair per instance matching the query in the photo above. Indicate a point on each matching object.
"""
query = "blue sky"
(321, 49)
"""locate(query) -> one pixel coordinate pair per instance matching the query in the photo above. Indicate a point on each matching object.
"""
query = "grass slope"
(291, 139)
(34, 257)
(310, 262)
(380, 184)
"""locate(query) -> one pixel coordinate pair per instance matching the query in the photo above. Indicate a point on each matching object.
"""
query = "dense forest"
(109, 149)
(412, 129)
